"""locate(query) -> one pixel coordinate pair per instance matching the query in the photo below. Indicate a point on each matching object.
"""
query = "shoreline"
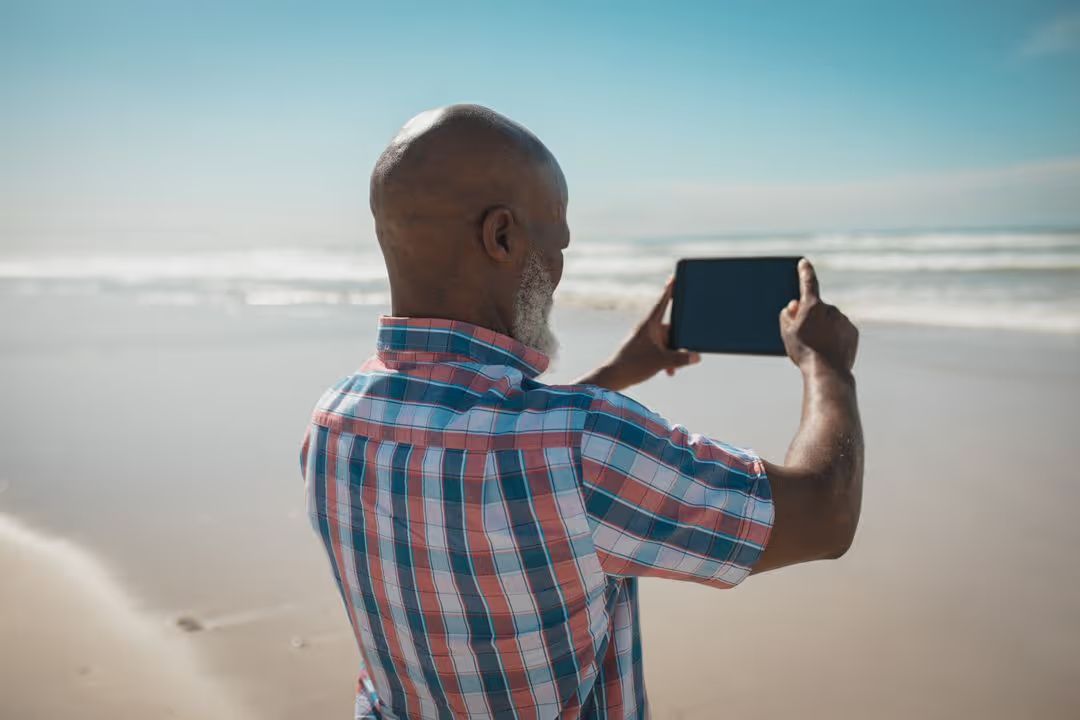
(82, 636)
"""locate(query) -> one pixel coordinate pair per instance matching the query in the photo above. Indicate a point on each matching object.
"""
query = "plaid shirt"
(486, 530)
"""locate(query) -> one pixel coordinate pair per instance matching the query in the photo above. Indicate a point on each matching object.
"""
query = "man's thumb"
(682, 358)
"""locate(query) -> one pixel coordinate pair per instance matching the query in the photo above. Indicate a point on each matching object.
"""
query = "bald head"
(448, 158)
(466, 204)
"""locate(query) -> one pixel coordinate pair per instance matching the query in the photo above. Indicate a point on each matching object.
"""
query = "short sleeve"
(305, 446)
(666, 503)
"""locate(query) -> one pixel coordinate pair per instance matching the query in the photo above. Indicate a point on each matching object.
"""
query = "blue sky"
(244, 123)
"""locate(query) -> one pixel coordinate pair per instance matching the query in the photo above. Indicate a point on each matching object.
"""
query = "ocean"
(1005, 279)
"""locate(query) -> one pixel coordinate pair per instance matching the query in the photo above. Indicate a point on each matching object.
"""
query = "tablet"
(732, 305)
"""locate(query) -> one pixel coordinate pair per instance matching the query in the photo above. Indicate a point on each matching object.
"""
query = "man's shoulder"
(454, 404)
(580, 393)
(600, 401)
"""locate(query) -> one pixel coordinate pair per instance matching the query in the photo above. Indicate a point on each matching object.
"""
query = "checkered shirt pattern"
(486, 530)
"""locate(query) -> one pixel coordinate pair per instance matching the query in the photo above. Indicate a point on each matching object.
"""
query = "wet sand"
(161, 444)
(76, 645)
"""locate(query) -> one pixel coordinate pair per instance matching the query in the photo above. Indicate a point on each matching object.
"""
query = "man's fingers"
(808, 283)
(682, 358)
(788, 313)
(665, 297)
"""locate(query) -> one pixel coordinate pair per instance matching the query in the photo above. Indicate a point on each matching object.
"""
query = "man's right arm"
(817, 492)
(667, 503)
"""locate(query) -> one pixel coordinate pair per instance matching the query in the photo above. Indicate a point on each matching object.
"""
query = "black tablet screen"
(732, 305)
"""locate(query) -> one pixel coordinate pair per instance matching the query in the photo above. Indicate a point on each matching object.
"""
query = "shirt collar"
(446, 340)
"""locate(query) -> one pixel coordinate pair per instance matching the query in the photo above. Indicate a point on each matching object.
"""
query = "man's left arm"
(644, 353)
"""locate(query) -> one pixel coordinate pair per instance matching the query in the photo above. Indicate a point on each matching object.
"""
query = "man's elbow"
(841, 546)
(844, 524)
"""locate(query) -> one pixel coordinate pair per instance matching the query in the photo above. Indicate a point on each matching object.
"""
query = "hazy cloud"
(1060, 35)
(1041, 193)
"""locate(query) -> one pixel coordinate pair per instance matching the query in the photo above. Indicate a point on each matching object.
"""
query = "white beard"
(532, 309)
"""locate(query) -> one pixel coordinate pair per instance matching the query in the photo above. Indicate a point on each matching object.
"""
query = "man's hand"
(644, 353)
(816, 331)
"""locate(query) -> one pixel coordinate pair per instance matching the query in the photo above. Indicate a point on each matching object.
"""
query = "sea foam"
(995, 279)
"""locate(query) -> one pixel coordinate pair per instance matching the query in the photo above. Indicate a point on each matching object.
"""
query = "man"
(487, 530)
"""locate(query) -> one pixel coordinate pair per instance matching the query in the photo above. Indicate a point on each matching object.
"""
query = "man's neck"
(481, 317)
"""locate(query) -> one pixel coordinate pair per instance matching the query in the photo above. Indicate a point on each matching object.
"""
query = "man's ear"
(498, 232)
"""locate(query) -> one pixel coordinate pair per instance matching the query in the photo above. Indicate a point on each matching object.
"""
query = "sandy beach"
(158, 563)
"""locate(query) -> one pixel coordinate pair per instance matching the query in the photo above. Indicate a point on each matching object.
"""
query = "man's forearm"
(829, 444)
